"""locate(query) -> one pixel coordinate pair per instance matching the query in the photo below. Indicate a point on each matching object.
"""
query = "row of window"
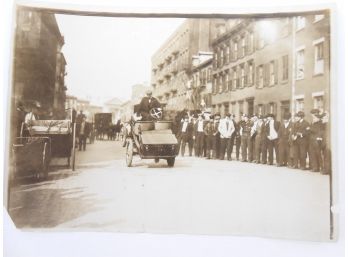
(239, 107)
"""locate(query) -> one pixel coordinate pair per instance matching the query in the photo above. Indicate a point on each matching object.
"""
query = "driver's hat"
(148, 92)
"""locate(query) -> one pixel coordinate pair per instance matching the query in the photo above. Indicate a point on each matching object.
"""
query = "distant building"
(70, 102)
(114, 106)
(39, 64)
(172, 62)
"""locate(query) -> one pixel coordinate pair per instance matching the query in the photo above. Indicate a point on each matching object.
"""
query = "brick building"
(172, 63)
(272, 65)
(39, 64)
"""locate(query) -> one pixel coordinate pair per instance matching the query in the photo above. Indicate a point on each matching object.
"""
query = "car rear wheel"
(171, 161)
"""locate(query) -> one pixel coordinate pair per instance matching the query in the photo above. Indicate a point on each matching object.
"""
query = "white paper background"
(48, 244)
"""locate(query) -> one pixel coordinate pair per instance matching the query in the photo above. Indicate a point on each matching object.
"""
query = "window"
(251, 42)
(234, 79)
(260, 78)
(318, 102)
(319, 58)
(227, 55)
(300, 64)
(227, 78)
(242, 76)
(272, 108)
(299, 105)
(235, 50)
(251, 73)
(260, 109)
(243, 45)
(221, 57)
(215, 86)
(285, 67)
(272, 73)
(220, 84)
(241, 107)
(318, 17)
(300, 22)
(261, 42)
(215, 60)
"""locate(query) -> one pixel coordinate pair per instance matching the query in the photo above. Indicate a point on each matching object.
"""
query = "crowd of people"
(294, 142)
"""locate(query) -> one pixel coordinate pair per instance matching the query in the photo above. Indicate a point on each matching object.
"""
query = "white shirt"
(286, 124)
(29, 117)
(226, 128)
(184, 126)
(200, 126)
(272, 132)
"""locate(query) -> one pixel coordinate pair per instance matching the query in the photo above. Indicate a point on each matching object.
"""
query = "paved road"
(196, 196)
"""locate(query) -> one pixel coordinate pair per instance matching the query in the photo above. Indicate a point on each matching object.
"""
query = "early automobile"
(151, 140)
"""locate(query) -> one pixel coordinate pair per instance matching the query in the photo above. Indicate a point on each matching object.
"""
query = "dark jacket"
(189, 129)
(284, 132)
(276, 127)
(147, 103)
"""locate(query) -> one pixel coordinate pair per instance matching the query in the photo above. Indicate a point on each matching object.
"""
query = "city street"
(197, 196)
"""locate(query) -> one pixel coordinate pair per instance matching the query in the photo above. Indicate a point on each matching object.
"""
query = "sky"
(106, 56)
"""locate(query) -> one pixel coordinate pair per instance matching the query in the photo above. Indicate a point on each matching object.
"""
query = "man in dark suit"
(210, 132)
(82, 130)
(186, 134)
(272, 129)
(147, 103)
(299, 137)
(245, 130)
(216, 150)
(316, 141)
(199, 136)
(284, 141)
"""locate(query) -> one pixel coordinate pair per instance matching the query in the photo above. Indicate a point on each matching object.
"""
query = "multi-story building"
(114, 106)
(172, 62)
(271, 65)
(39, 64)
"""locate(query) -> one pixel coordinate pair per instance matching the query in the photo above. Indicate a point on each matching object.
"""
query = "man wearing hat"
(199, 136)
(258, 126)
(284, 141)
(210, 132)
(245, 130)
(216, 150)
(316, 141)
(272, 129)
(147, 103)
(226, 129)
(299, 137)
(186, 135)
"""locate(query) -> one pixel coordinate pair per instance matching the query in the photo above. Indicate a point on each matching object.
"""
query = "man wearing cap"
(316, 141)
(147, 103)
(284, 141)
(199, 136)
(186, 135)
(210, 132)
(226, 128)
(299, 136)
(272, 129)
(245, 130)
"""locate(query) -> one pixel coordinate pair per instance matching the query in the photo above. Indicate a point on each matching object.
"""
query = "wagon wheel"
(171, 161)
(129, 153)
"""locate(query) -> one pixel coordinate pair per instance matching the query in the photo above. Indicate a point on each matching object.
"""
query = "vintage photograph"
(174, 124)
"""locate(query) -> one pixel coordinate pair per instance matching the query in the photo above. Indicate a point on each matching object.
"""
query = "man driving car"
(147, 103)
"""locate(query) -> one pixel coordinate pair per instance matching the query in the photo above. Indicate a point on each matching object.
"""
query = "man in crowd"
(186, 135)
(258, 126)
(199, 136)
(226, 129)
(272, 129)
(284, 141)
(83, 132)
(147, 103)
(216, 151)
(80, 117)
(251, 148)
(210, 132)
(316, 141)
(299, 136)
(245, 130)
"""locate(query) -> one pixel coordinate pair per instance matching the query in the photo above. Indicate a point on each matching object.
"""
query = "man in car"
(147, 103)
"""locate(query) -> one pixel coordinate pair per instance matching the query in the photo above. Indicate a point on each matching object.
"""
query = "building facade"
(39, 64)
(172, 63)
(273, 65)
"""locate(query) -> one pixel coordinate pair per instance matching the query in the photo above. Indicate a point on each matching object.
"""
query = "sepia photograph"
(195, 124)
